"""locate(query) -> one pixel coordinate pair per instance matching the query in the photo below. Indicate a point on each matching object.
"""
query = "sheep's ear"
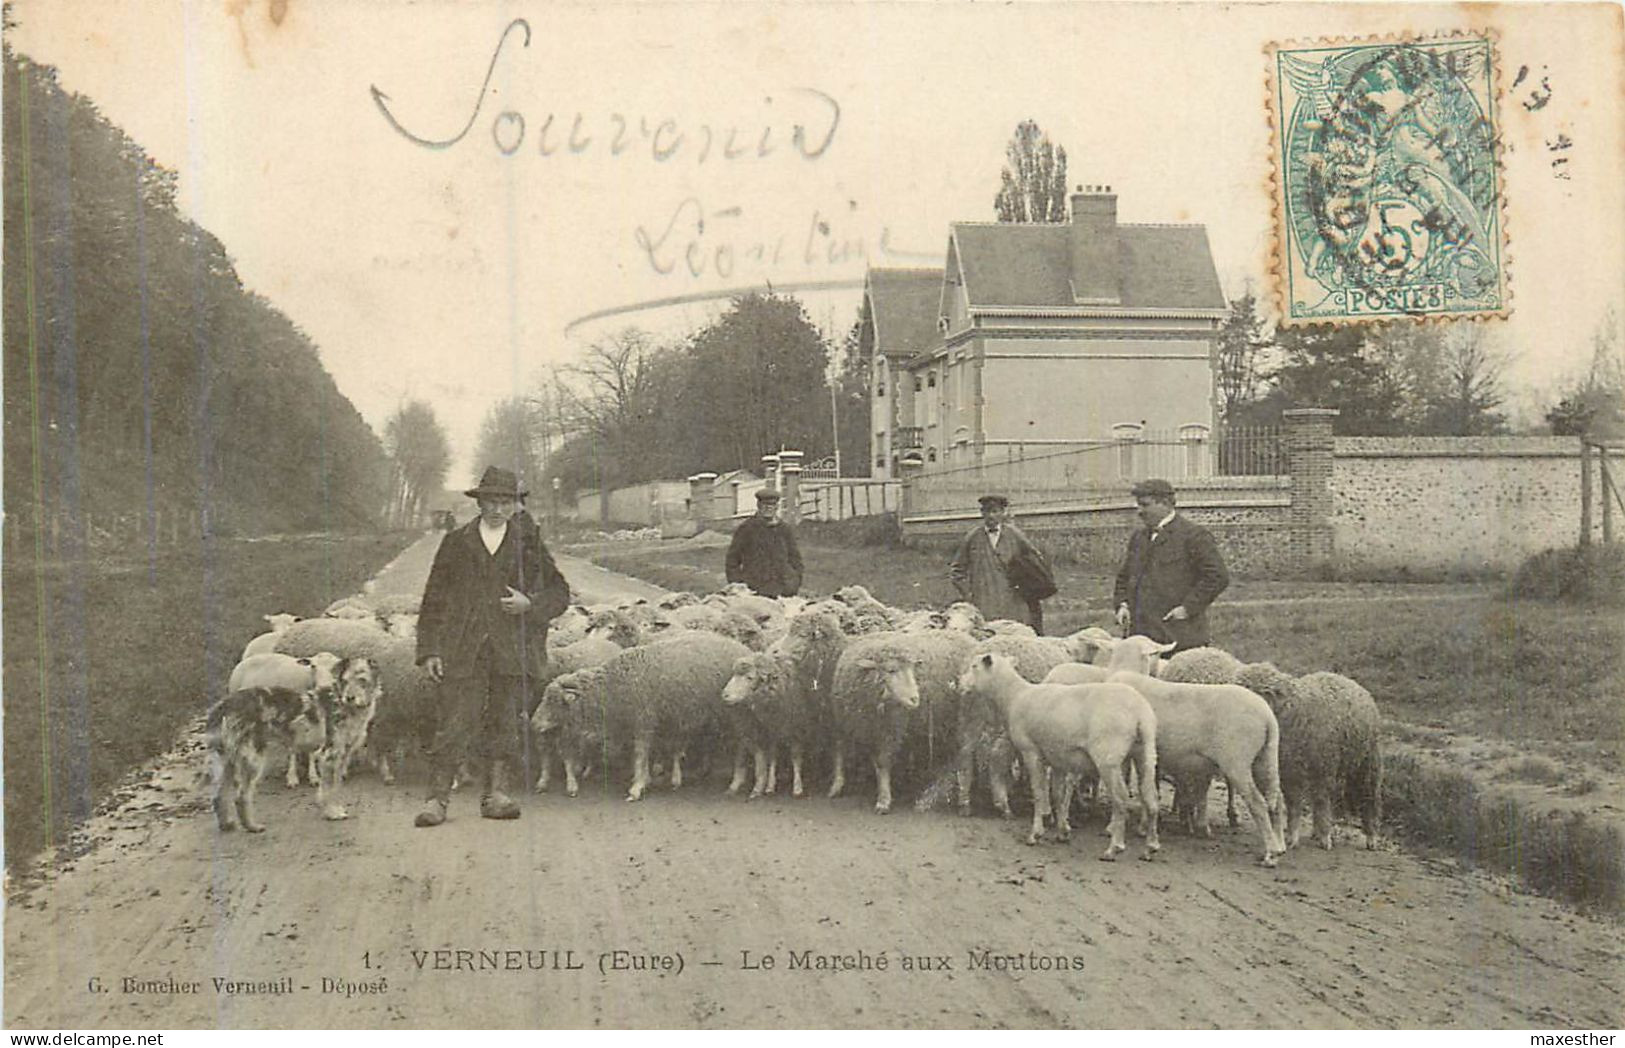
(1165, 648)
(305, 662)
(987, 660)
(867, 664)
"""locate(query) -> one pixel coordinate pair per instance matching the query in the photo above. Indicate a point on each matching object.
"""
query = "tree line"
(634, 408)
(139, 370)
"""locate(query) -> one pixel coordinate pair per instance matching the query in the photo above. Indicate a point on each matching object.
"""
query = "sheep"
(1205, 665)
(569, 627)
(403, 625)
(885, 686)
(1010, 628)
(859, 600)
(620, 625)
(672, 687)
(982, 739)
(922, 620)
(1331, 748)
(351, 608)
(966, 617)
(390, 604)
(266, 642)
(569, 658)
(1203, 726)
(1136, 654)
(1080, 730)
(406, 706)
(679, 599)
(782, 696)
(344, 637)
(1088, 642)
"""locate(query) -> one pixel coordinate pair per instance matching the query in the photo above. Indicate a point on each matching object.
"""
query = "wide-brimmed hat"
(497, 482)
(994, 500)
(1155, 488)
(767, 495)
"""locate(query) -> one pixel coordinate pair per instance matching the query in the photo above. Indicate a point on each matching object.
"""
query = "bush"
(1593, 575)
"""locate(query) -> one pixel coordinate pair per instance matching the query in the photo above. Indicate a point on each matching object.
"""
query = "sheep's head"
(983, 671)
(673, 601)
(402, 624)
(752, 677)
(1137, 654)
(615, 624)
(1269, 683)
(324, 667)
(281, 621)
(1089, 644)
(853, 594)
(964, 617)
(921, 621)
(896, 673)
(742, 628)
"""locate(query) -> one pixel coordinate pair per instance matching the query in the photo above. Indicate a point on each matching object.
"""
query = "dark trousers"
(480, 717)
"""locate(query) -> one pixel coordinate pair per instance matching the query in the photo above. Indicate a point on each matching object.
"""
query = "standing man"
(995, 562)
(763, 554)
(1172, 572)
(482, 636)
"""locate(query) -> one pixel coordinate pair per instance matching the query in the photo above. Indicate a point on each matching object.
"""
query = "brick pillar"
(1309, 462)
(790, 485)
(701, 487)
(770, 471)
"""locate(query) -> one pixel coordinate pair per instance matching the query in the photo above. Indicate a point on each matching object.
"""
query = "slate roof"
(903, 308)
(1014, 265)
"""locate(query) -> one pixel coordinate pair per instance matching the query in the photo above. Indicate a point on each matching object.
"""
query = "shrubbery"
(1584, 575)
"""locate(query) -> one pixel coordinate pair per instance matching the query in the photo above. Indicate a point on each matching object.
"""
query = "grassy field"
(1506, 716)
(127, 653)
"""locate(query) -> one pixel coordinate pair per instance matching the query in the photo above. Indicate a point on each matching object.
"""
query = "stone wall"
(1453, 504)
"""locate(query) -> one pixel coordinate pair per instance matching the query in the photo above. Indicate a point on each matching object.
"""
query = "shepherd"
(998, 569)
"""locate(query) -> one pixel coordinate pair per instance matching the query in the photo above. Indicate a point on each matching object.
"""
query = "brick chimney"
(1096, 270)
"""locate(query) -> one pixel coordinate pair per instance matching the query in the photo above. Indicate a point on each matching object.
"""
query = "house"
(898, 322)
(1046, 337)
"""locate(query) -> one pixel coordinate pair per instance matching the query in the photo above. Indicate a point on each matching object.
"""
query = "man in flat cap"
(1173, 570)
(998, 569)
(763, 554)
(482, 636)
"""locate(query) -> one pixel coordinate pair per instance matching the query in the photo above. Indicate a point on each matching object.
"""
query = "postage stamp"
(1388, 186)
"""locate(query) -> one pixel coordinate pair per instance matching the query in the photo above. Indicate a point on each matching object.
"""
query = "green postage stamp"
(1388, 187)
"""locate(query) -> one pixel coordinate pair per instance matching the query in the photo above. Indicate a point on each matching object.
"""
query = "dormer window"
(918, 385)
(931, 380)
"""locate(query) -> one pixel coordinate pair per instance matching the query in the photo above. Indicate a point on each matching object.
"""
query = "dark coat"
(763, 555)
(1183, 566)
(461, 602)
(981, 574)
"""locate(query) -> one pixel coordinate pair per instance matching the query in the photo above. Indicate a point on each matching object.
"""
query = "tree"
(625, 394)
(1463, 403)
(417, 446)
(757, 384)
(511, 437)
(1032, 187)
(1243, 355)
(1327, 366)
(1595, 404)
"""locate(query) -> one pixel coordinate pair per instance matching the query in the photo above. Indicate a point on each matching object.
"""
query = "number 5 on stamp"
(1388, 188)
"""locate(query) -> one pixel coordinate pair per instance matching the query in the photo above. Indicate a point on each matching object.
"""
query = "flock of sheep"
(939, 695)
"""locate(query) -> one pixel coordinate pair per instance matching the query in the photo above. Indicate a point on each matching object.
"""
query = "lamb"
(672, 687)
(982, 738)
(782, 696)
(1201, 727)
(1205, 665)
(1080, 730)
(1331, 748)
(891, 688)
(562, 661)
(266, 642)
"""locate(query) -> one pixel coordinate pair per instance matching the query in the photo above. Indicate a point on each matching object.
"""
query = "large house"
(1043, 337)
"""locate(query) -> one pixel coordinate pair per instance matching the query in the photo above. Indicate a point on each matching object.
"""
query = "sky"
(451, 198)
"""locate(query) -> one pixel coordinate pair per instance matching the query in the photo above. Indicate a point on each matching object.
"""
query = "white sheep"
(561, 661)
(569, 627)
(1204, 665)
(896, 688)
(351, 608)
(982, 739)
(782, 696)
(266, 642)
(346, 638)
(1010, 628)
(1201, 727)
(671, 688)
(624, 626)
(858, 599)
(1136, 654)
(1331, 748)
(965, 617)
(1083, 731)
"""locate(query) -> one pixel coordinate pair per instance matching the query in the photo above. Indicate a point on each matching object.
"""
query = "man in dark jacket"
(482, 635)
(763, 553)
(1172, 572)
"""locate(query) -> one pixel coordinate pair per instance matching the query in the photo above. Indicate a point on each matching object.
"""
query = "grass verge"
(104, 662)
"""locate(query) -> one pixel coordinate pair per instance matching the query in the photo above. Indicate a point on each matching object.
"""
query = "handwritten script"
(806, 130)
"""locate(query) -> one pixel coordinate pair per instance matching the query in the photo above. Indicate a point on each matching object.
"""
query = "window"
(917, 384)
(931, 380)
(931, 454)
(880, 461)
(880, 390)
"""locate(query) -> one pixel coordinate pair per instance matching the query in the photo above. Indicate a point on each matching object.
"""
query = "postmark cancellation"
(1388, 186)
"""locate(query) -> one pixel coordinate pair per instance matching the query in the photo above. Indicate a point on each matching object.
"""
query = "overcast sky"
(439, 242)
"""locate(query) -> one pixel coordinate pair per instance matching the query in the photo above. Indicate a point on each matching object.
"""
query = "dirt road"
(692, 909)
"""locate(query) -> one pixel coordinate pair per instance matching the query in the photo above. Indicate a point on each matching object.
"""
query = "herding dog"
(330, 718)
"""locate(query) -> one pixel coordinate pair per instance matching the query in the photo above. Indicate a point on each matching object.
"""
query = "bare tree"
(1032, 187)
(420, 453)
(1243, 356)
(1464, 404)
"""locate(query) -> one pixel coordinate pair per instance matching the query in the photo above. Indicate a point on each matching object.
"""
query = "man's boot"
(434, 806)
(496, 803)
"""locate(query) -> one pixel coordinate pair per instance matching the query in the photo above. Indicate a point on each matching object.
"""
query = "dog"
(329, 719)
